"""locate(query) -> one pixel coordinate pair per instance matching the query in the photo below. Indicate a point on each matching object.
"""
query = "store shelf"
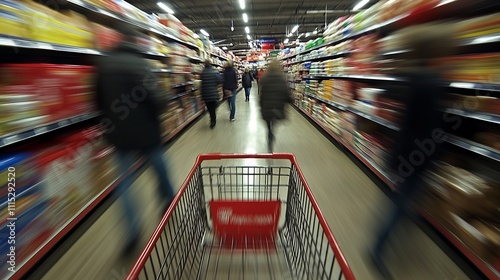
(194, 59)
(219, 56)
(354, 77)
(475, 115)
(316, 58)
(184, 125)
(93, 11)
(375, 119)
(180, 95)
(63, 231)
(6, 41)
(16, 137)
(368, 163)
(182, 85)
(475, 86)
(474, 147)
(482, 265)
(331, 103)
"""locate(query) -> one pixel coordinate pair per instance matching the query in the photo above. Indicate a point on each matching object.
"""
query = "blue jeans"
(232, 104)
(126, 159)
(247, 93)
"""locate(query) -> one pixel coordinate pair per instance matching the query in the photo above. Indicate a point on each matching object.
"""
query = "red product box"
(46, 86)
(105, 38)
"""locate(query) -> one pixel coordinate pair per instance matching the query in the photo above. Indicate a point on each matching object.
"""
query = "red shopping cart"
(243, 222)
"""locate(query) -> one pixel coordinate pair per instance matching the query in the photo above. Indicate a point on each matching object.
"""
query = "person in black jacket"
(130, 99)
(422, 134)
(274, 95)
(209, 81)
(246, 81)
(231, 84)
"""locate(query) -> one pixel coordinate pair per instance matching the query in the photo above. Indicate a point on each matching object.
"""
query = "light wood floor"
(352, 204)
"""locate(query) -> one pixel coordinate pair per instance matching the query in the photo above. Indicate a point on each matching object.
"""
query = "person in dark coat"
(274, 95)
(131, 101)
(209, 81)
(246, 81)
(231, 84)
(420, 139)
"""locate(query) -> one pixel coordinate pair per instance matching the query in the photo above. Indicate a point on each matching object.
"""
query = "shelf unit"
(102, 15)
(488, 43)
(15, 137)
(32, 47)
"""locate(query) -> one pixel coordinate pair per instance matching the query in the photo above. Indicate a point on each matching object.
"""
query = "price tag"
(7, 42)
(41, 130)
(11, 139)
(45, 46)
(476, 149)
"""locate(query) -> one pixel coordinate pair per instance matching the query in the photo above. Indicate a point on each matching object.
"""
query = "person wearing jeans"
(131, 100)
(246, 81)
(231, 84)
(209, 94)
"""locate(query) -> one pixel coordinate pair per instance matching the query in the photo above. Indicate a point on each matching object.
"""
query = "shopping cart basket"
(242, 222)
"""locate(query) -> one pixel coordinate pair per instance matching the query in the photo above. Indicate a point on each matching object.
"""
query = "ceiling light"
(286, 41)
(360, 4)
(196, 36)
(290, 35)
(301, 34)
(315, 31)
(232, 28)
(247, 30)
(224, 48)
(245, 17)
(308, 34)
(248, 37)
(166, 8)
(204, 32)
(295, 28)
(242, 4)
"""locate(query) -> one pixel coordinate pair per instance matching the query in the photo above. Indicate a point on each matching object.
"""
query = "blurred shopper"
(260, 73)
(231, 84)
(422, 129)
(129, 96)
(246, 81)
(209, 81)
(274, 95)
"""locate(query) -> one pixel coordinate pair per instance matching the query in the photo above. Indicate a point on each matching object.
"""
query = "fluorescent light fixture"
(295, 28)
(224, 48)
(232, 28)
(315, 32)
(196, 36)
(242, 4)
(286, 41)
(248, 37)
(204, 32)
(245, 17)
(308, 34)
(360, 5)
(300, 35)
(247, 30)
(166, 8)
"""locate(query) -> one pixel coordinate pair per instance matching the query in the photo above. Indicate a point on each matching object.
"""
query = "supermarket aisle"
(350, 201)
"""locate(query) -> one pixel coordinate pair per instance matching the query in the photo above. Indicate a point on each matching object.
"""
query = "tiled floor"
(351, 203)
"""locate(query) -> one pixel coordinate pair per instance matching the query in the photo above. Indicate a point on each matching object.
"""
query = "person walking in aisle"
(274, 95)
(422, 124)
(130, 98)
(231, 84)
(209, 81)
(246, 81)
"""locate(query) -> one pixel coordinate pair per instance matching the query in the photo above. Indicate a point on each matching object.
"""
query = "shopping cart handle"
(220, 156)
